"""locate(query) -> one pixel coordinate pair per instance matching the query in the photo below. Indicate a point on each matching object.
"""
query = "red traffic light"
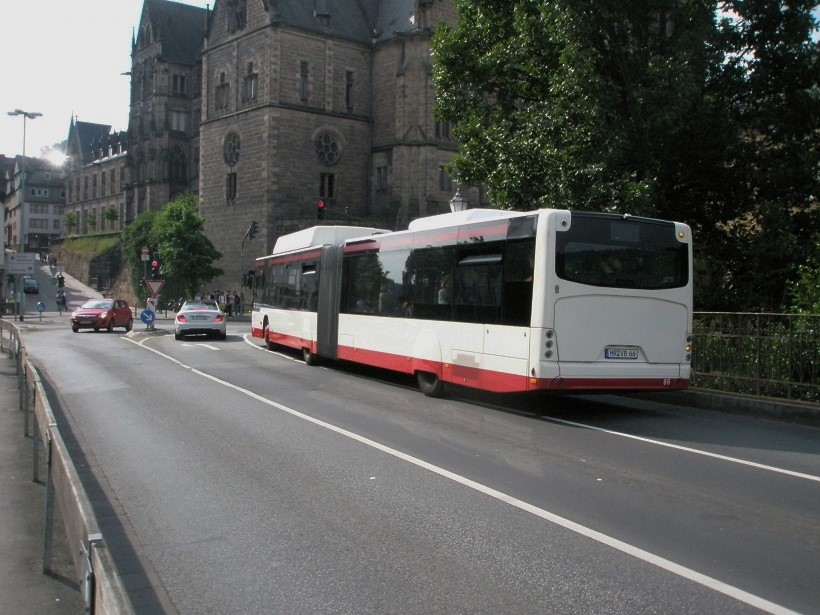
(155, 264)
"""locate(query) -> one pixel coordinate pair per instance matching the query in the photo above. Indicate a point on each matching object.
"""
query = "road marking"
(258, 347)
(200, 345)
(687, 449)
(650, 558)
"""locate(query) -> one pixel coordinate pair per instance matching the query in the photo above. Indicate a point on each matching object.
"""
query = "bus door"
(327, 317)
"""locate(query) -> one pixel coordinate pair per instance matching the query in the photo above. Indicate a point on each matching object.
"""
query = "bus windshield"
(617, 252)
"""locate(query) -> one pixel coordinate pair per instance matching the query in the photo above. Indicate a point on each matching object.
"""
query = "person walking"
(61, 302)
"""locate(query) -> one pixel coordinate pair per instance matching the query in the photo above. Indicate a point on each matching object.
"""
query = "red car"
(102, 314)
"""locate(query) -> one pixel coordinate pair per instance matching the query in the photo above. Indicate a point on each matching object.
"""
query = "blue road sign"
(148, 316)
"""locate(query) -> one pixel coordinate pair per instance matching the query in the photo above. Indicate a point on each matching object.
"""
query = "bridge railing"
(771, 355)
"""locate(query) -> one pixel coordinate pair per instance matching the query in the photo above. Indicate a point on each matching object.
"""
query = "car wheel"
(75, 329)
(430, 384)
(223, 335)
(177, 336)
(110, 326)
(96, 329)
(130, 324)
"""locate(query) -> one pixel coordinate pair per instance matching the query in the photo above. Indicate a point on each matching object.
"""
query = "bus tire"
(266, 335)
(309, 357)
(430, 384)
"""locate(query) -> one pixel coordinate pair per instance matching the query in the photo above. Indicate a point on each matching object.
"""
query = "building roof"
(84, 135)
(363, 21)
(179, 27)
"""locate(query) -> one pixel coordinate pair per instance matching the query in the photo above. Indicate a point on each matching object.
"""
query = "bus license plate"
(629, 354)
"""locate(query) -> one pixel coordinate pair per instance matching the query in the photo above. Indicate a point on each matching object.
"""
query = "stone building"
(163, 125)
(309, 100)
(95, 178)
(266, 107)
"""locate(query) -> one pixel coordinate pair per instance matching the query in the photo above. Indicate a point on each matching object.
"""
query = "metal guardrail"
(95, 573)
(768, 355)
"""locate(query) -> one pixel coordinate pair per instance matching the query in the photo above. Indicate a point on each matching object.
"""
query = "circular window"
(327, 149)
(231, 149)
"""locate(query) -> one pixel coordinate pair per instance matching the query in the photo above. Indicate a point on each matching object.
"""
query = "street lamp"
(26, 115)
(458, 202)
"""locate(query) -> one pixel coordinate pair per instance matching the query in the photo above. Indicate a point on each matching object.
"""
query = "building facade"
(95, 179)
(34, 202)
(264, 108)
(318, 100)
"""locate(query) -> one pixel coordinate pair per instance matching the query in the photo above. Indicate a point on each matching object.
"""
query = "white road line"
(650, 558)
(192, 345)
(687, 449)
(257, 347)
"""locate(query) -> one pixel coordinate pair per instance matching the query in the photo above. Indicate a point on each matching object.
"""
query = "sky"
(64, 58)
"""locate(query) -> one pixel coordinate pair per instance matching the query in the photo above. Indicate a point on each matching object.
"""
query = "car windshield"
(97, 304)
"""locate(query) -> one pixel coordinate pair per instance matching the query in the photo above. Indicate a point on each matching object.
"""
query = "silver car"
(200, 318)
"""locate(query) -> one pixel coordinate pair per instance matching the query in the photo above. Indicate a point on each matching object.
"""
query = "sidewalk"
(24, 588)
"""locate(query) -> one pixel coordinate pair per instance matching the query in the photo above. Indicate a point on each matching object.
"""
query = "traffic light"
(155, 268)
(253, 229)
(320, 210)
(60, 280)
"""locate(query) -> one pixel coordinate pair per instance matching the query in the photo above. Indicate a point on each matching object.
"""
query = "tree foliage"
(176, 236)
(695, 110)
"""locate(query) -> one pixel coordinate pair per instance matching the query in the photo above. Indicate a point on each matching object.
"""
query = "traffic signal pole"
(249, 235)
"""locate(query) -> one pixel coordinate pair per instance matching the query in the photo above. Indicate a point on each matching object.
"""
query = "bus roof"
(462, 217)
(321, 235)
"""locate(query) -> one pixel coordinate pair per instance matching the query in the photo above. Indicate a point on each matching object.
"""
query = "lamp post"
(458, 202)
(26, 115)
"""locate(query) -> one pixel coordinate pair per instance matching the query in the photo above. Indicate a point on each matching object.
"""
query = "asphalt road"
(231, 479)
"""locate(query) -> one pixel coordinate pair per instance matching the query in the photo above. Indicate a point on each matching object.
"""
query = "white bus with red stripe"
(496, 300)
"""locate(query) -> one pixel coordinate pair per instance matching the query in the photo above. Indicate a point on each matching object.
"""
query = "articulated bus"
(496, 300)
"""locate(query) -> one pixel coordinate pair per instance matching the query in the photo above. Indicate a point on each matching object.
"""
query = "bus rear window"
(618, 252)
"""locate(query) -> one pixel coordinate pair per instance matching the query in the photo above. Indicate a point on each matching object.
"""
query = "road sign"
(154, 286)
(148, 316)
(20, 262)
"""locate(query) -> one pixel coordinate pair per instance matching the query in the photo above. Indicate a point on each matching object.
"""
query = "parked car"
(102, 314)
(30, 285)
(200, 317)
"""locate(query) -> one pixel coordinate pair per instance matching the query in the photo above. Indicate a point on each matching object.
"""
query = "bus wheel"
(309, 357)
(266, 334)
(430, 384)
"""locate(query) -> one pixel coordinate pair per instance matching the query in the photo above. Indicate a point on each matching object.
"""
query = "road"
(231, 479)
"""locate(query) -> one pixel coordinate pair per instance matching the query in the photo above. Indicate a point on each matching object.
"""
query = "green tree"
(186, 253)
(110, 214)
(135, 237)
(651, 107)
(769, 84)
(69, 221)
(804, 290)
(575, 103)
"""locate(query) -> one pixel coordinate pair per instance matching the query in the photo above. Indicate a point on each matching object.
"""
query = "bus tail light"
(549, 344)
(688, 348)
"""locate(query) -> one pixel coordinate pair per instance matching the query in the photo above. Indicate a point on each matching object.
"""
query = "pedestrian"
(237, 306)
(61, 301)
(229, 304)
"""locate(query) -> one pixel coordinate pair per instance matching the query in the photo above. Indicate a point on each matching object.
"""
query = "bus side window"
(518, 281)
